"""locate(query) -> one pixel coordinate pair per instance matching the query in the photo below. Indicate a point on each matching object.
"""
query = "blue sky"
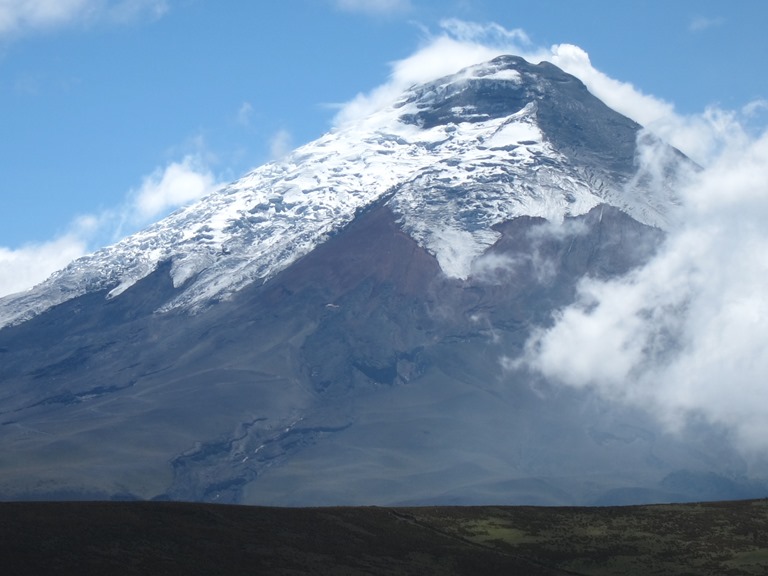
(116, 111)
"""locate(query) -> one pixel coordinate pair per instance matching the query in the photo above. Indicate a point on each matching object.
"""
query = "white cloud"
(496, 269)
(701, 23)
(176, 184)
(22, 16)
(755, 107)
(683, 336)
(280, 144)
(621, 96)
(245, 114)
(124, 11)
(374, 6)
(490, 34)
(459, 45)
(701, 136)
(24, 267)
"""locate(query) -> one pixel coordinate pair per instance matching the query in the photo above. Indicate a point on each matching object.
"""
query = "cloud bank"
(684, 335)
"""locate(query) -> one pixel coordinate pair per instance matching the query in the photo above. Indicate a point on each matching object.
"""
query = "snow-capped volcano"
(454, 157)
(356, 307)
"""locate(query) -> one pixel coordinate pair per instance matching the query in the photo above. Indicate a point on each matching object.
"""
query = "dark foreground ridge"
(122, 538)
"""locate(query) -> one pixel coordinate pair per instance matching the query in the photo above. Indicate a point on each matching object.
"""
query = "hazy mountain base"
(168, 538)
(360, 375)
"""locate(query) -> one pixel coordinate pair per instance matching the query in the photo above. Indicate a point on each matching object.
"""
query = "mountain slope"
(331, 329)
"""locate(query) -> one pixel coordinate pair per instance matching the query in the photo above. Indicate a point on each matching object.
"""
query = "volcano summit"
(330, 328)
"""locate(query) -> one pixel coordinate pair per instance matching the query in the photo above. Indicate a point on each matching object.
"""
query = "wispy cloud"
(280, 144)
(755, 107)
(702, 23)
(374, 6)
(126, 11)
(488, 34)
(18, 17)
(245, 114)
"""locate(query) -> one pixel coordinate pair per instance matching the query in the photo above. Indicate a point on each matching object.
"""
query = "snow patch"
(505, 74)
(456, 249)
(515, 134)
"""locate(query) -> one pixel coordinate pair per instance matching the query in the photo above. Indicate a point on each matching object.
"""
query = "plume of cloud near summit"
(489, 34)
(458, 44)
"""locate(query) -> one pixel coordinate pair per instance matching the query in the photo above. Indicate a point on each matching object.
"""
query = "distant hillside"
(124, 538)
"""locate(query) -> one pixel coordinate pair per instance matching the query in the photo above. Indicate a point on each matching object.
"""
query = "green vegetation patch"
(703, 538)
(498, 530)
